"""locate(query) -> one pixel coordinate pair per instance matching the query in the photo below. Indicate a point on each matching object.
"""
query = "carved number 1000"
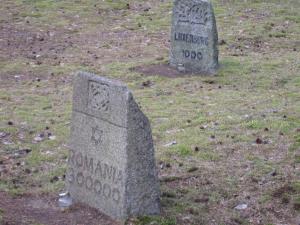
(192, 54)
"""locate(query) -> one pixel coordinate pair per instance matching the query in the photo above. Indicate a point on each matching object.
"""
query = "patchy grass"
(236, 134)
(156, 220)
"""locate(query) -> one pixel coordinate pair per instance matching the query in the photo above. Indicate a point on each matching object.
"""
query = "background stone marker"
(111, 162)
(194, 37)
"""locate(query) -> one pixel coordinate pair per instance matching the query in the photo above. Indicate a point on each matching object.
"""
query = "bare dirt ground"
(236, 135)
(40, 209)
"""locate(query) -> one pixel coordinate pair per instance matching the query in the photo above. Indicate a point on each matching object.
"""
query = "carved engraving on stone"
(111, 160)
(95, 185)
(95, 176)
(97, 135)
(192, 13)
(100, 169)
(98, 96)
(194, 37)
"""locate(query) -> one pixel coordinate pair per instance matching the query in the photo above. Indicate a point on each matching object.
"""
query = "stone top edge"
(97, 78)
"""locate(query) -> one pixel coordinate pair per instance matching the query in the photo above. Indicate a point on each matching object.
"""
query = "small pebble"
(170, 144)
(241, 207)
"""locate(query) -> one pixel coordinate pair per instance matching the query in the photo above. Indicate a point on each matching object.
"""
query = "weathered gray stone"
(194, 37)
(111, 162)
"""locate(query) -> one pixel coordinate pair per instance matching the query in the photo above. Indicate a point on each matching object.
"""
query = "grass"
(215, 121)
(156, 220)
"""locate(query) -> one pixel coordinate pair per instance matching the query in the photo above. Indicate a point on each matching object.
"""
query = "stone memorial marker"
(194, 37)
(111, 162)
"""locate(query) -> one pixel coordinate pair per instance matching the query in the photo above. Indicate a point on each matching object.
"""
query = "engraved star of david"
(96, 135)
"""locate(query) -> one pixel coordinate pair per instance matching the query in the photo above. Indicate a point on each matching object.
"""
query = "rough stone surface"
(194, 37)
(111, 162)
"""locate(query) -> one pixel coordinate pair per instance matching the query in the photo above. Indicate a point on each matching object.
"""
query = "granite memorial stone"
(111, 161)
(194, 37)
